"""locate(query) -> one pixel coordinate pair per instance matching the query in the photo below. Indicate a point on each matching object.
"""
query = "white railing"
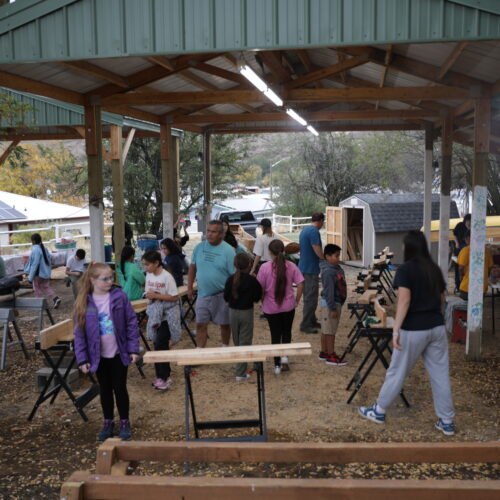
(56, 228)
(288, 223)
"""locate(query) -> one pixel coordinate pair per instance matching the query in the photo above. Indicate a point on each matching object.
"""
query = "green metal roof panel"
(46, 112)
(34, 30)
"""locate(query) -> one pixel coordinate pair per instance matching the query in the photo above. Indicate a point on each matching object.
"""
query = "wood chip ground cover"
(306, 404)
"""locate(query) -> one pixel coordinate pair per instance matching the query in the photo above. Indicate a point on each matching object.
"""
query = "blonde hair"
(85, 288)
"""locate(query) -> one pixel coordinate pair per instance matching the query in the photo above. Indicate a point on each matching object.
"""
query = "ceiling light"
(295, 116)
(253, 77)
(273, 97)
(312, 130)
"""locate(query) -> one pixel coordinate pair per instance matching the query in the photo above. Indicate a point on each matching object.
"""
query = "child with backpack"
(106, 342)
(333, 297)
(39, 269)
(241, 291)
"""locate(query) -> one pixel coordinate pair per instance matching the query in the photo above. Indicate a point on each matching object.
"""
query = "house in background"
(18, 211)
(364, 224)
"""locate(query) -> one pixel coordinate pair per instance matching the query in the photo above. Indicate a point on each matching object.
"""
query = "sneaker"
(164, 384)
(284, 364)
(107, 430)
(242, 379)
(371, 414)
(334, 360)
(447, 429)
(323, 355)
(309, 329)
(277, 370)
(156, 381)
(125, 433)
(57, 302)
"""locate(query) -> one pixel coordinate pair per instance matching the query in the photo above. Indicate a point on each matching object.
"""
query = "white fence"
(289, 224)
(82, 227)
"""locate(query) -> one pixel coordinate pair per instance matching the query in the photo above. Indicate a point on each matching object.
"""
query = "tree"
(143, 200)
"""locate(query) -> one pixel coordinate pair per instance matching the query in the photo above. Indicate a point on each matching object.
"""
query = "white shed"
(364, 224)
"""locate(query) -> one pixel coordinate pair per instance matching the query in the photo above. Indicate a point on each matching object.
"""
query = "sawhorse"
(189, 358)
(59, 338)
(259, 422)
(7, 316)
(361, 312)
(379, 339)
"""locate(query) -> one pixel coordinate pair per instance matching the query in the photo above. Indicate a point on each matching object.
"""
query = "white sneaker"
(277, 370)
(242, 379)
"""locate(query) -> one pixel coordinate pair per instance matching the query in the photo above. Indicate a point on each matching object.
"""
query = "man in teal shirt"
(212, 263)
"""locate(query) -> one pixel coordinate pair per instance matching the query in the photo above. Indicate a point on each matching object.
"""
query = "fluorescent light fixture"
(273, 97)
(253, 77)
(312, 130)
(295, 116)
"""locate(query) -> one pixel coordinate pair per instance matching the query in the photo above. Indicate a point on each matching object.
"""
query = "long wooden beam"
(368, 114)
(295, 95)
(35, 87)
(451, 60)
(97, 71)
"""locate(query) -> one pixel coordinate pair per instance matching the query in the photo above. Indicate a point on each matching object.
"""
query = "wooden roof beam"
(273, 61)
(368, 114)
(451, 60)
(222, 73)
(36, 87)
(383, 76)
(293, 95)
(97, 71)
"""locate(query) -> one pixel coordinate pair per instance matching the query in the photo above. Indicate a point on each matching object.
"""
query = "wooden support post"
(428, 174)
(207, 180)
(174, 175)
(117, 179)
(93, 147)
(165, 156)
(482, 120)
(128, 142)
(444, 201)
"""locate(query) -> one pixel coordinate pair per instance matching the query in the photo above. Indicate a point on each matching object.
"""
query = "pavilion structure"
(430, 65)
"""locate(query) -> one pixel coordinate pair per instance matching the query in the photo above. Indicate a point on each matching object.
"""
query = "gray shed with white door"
(373, 221)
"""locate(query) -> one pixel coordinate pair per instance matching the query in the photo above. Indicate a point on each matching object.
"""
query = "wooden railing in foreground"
(114, 457)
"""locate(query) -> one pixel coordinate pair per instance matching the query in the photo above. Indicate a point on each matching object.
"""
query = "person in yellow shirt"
(463, 267)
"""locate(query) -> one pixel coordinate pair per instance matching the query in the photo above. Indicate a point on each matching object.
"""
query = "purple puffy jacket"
(88, 342)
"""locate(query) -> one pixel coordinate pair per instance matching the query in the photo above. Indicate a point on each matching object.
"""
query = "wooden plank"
(324, 128)
(218, 361)
(367, 297)
(279, 452)
(73, 490)
(97, 71)
(107, 456)
(128, 143)
(191, 356)
(151, 488)
(216, 71)
(62, 331)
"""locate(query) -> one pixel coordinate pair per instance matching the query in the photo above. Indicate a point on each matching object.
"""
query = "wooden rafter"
(222, 73)
(273, 62)
(451, 60)
(385, 70)
(97, 71)
(365, 114)
(293, 95)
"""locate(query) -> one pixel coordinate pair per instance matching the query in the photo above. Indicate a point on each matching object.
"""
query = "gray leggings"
(432, 345)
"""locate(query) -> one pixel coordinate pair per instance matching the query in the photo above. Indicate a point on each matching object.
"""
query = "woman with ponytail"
(106, 342)
(279, 302)
(240, 292)
(39, 269)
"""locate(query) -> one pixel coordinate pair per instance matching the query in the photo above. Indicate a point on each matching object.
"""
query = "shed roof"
(7, 213)
(401, 212)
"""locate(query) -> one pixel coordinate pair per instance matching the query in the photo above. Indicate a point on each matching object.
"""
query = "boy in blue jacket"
(333, 297)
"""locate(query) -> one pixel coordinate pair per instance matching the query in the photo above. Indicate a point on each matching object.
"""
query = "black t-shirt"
(249, 291)
(460, 231)
(424, 312)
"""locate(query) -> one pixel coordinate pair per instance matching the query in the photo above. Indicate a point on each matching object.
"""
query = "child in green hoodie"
(333, 297)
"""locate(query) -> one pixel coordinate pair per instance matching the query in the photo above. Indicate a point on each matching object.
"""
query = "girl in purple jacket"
(106, 342)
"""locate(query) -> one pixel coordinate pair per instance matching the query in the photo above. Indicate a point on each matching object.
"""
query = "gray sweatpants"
(311, 291)
(432, 345)
(241, 321)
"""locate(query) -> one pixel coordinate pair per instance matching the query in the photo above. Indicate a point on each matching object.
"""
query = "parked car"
(245, 219)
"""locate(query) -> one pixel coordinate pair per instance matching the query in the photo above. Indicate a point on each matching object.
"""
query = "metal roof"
(9, 213)
(155, 60)
(46, 116)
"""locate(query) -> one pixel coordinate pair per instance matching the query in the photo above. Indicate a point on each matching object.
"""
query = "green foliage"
(12, 112)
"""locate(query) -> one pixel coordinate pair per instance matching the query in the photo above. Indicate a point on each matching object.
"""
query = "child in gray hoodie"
(333, 296)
